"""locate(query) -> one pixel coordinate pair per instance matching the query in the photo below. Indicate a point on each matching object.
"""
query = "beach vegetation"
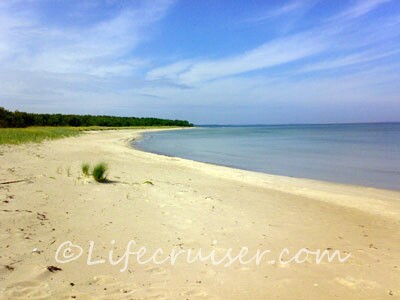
(86, 169)
(99, 172)
(40, 134)
(148, 182)
(34, 134)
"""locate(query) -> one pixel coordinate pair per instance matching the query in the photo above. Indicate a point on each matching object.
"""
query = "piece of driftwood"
(14, 181)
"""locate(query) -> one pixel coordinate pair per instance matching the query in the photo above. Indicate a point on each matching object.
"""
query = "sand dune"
(185, 205)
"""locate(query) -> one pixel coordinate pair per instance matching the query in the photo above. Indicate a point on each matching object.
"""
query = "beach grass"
(100, 172)
(86, 169)
(35, 134)
(40, 134)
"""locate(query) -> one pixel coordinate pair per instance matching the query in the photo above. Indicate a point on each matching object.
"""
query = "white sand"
(189, 205)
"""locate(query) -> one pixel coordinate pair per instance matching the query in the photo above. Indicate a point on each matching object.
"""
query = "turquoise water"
(361, 154)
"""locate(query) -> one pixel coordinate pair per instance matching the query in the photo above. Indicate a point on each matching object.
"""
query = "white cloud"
(332, 36)
(361, 8)
(276, 52)
(287, 8)
(171, 71)
(348, 60)
(98, 48)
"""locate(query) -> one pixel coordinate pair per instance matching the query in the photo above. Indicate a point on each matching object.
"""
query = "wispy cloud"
(361, 8)
(287, 8)
(99, 48)
(171, 71)
(324, 39)
(349, 60)
(276, 52)
(65, 66)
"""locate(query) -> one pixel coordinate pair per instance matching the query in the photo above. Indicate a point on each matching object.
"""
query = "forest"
(17, 119)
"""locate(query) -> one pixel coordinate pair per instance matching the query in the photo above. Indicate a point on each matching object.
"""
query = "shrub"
(100, 172)
(85, 169)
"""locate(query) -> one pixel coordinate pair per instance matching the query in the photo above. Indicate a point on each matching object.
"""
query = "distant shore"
(173, 203)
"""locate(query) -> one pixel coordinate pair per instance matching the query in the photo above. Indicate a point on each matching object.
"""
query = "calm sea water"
(361, 154)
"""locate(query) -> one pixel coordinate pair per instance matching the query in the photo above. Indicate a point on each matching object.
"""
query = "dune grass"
(35, 134)
(40, 134)
(100, 172)
(86, 169)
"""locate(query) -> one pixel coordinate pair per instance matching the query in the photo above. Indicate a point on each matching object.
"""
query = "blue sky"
(211, 62)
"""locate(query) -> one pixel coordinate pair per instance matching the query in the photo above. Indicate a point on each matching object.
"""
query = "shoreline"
(319, 177)
(261, 178)
(188, 205)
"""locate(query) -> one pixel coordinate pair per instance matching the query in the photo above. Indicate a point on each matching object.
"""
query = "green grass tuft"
(148, 182)
(86, 169)
(100, 172)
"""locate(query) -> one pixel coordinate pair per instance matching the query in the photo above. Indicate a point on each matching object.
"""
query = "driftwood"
(14, 181)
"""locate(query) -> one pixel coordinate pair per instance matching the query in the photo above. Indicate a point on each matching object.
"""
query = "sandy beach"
(172, 203)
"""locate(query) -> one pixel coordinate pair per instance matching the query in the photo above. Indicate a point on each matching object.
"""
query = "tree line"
(19, 119)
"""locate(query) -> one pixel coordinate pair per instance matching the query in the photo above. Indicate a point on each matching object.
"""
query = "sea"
(356, 154)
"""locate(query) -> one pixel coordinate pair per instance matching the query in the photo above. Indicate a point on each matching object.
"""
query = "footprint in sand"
(102, 279)
(197, 293)
(354, 283)
(156, 270)
(280, 265)
(27, 290)
(112, 289)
